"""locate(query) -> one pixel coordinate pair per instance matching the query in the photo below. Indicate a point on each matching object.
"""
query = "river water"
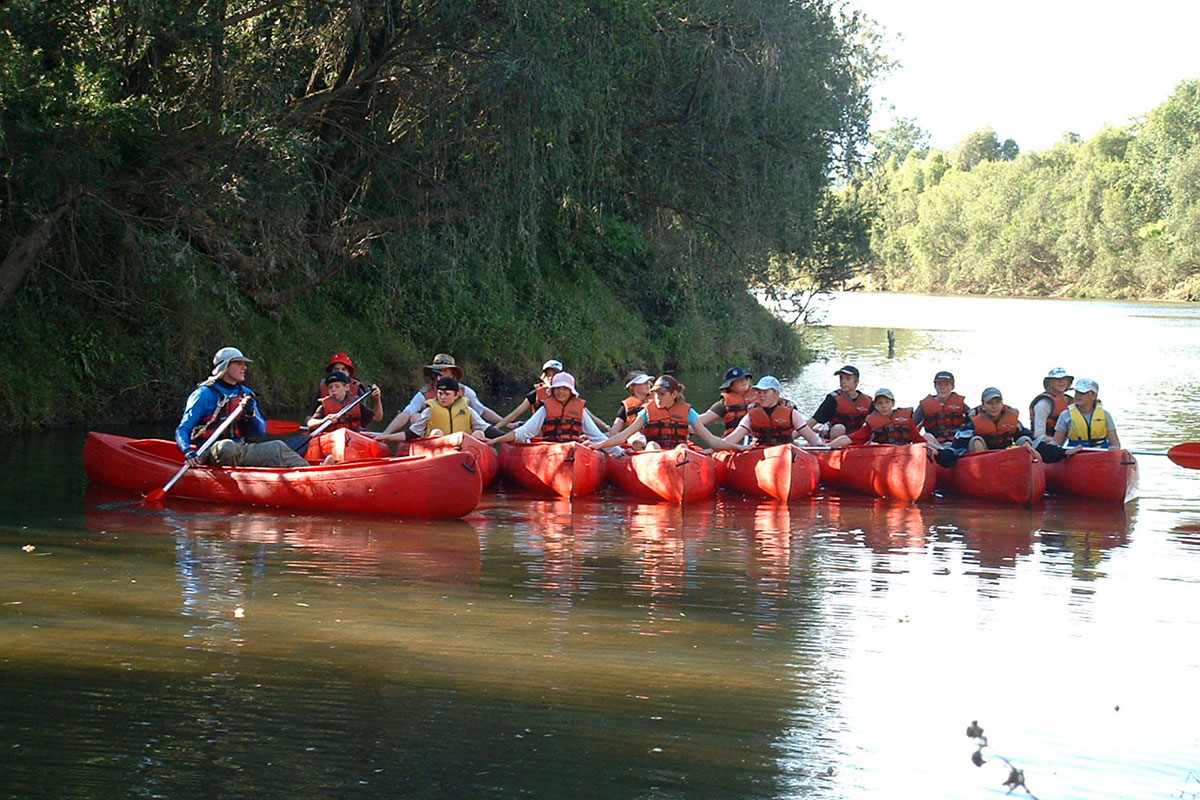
(837, 648)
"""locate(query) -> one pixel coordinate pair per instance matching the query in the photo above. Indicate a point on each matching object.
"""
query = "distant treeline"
(1115, 216)
(505, 181)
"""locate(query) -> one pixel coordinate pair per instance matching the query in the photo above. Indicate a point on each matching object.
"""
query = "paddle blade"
(155, 497)
(1186, 455)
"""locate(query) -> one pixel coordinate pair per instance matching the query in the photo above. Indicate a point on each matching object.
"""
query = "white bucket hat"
(564, 379)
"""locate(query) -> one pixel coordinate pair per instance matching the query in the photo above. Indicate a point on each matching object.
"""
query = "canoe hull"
(566, 469)
(679, 475)
(1108, 475)
(1016, 476)
(897, 471)
(784, 472)
(485, 454)
(446, 485)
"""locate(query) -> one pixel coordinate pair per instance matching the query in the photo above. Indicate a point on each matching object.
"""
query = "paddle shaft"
(204, 448)
(1186, 455)
(302, 443)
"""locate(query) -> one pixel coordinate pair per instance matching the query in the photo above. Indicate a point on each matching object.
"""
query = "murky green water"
(833, 648)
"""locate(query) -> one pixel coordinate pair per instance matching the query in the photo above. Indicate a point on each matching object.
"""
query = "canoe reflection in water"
(1085, 530)
(885, 526)
(411, 551)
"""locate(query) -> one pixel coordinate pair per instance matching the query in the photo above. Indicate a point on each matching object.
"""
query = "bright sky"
(1031, 69)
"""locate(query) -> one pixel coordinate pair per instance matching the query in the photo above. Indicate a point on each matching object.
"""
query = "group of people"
(655, 415)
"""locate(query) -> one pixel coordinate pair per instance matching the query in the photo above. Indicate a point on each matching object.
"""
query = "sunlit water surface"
(831, 649)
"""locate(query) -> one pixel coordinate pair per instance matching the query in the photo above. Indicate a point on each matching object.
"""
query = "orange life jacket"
(943, 419)
(773, 425)
(1060, 405)
(667, 426)
(541, 392)
(896, 429)
(352, 419)
(997, 434)
(851, 413)
(564, 421)
(736, 406)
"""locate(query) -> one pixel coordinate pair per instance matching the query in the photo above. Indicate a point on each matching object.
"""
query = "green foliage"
(1117, 215)
(497, 180)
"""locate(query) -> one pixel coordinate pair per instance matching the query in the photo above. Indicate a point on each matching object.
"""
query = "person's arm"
(803, 431)
(512, 415)
(377, 411)
(860, 436)
(201, 403)
(479, 426)
(253, 420)
(478, 407)
(418, 425)
(824, 412)
(711, 439)
(591, 431)
(1041, 412)
(596, 421)
(530, 430)
(317, 416)
(619, 438)
(715, 412)
(740, 432)
(919, 415)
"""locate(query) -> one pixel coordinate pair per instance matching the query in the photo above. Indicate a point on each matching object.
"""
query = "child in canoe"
(667, 422)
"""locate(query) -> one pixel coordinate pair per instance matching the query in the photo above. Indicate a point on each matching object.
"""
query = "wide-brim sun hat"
(733, 374)
(444, 363)
(564, 379)
(226, 356)
(1055, 373)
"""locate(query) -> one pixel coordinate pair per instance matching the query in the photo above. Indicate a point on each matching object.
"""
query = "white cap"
(640, 378)
(885, 393)
(552, 364)
(769, 382)
(1086, 385)
(224, 357)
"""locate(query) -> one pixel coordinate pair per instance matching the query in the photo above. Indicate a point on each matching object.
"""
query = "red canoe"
(485, 454)
(1014, 475)
(897, 471)
(1109, 475)
(783, 471)
(436, 486)
(566, 469)
(678, 475)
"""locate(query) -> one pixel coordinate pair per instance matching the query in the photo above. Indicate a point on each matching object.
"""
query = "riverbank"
(97, 366)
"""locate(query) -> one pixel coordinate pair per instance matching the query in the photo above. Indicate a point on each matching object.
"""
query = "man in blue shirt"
(214, 400)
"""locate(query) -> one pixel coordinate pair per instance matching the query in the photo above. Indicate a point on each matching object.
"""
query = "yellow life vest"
(1083, 434)
(455, 419)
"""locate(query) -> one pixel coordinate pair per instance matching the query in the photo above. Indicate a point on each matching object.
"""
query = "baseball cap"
(885, 393)
(769, 382)
(847, 370)
(989, 393)
(1085, 385)
(944, 376)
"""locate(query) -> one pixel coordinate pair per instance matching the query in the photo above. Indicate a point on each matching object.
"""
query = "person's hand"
(251, 408)
(192, 457)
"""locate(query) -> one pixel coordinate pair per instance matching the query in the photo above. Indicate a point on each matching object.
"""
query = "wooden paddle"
(301, 444)
(159, 494)
(1186, 455)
